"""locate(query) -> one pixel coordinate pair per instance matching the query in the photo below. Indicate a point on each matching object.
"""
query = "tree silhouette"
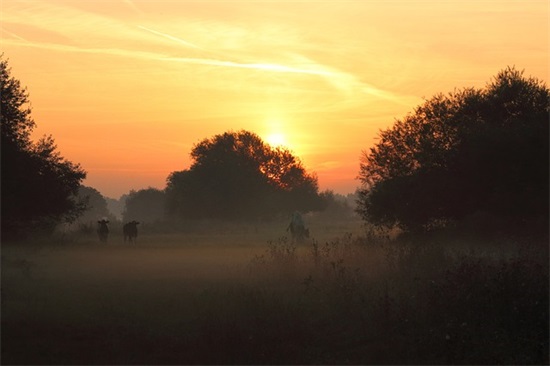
(466, 154)
(236, 175)
(145, 205)
(38, 185)
(95, 203)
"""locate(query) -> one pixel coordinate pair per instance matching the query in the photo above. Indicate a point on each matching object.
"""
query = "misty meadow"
(227, 296)
(440, 257)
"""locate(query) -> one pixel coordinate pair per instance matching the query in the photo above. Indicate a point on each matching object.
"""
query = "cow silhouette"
(103, 230)
(130, 231)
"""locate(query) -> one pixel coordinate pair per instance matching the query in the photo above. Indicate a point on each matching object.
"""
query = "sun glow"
(275, 131)
(277, 139)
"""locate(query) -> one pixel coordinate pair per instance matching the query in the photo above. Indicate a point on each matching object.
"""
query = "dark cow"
(130, 231)
(103, 230)
(297, 228)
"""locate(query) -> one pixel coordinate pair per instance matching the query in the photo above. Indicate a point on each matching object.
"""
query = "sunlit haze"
(127, 88)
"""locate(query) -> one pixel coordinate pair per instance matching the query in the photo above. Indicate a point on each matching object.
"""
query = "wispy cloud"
(133, 7)
(74, 49)
(213, 43)
(13, 35)
(172, 38)
(257, 66)
(342, 81)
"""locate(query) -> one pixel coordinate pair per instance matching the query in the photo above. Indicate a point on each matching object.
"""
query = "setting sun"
(277, 139)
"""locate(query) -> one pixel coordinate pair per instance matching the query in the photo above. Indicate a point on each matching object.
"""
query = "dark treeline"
(473, 159)
(153, 205)
(234, 176)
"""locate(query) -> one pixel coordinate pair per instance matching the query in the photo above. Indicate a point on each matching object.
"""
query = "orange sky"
(126, 87)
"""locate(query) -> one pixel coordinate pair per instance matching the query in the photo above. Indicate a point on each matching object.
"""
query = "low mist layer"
(242, 295)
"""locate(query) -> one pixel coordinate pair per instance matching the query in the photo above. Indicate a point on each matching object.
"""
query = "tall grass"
(349, 299)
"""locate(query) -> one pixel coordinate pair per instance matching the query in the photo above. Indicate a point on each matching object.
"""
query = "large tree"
(471, 153)
(39, 186)
(237, 175)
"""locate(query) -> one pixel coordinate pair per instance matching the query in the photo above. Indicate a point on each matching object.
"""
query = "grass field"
(243, 294)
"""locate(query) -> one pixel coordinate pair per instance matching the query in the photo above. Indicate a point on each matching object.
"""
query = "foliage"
(479, 304)
(236, 175)
(38, 184)
(472, 152)
(423, 304)
(145, 205)
(96, 205)
(339, 206)
(17, 123)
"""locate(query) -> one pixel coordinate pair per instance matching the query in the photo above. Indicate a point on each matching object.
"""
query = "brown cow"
(130, 231)
(103, 230)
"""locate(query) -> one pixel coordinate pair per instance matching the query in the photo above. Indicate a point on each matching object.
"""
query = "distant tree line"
(145, 205)
(96, 205)
(233, 176)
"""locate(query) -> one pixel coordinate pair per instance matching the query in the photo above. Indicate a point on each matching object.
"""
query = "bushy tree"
(145, 205)
(39, 186)
(237, 175)
(470, 153)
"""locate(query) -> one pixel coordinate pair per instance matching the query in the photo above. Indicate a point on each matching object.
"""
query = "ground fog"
(246, 294)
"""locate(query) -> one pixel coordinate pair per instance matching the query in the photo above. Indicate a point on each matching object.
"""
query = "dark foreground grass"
(345, 301)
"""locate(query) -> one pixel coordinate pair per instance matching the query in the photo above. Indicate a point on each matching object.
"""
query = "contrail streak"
(105, 51)
(13, 35)
(258, 66)
(133, 6)
(176, 39)
(342, 81)
(223, 63)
